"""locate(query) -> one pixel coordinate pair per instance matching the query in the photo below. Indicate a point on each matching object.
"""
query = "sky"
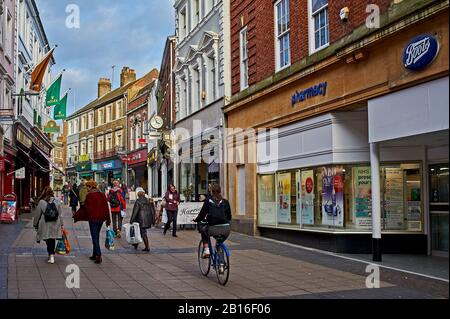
(111, 32)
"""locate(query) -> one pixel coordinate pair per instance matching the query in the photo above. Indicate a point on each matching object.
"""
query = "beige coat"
(50, 230)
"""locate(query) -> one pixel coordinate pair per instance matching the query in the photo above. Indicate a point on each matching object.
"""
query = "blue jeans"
(95, 228)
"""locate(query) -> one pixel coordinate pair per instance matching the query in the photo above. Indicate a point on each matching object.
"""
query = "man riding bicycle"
(214, 218)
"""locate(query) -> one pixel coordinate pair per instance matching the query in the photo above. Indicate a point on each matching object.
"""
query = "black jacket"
(143, 213)
(215, 212)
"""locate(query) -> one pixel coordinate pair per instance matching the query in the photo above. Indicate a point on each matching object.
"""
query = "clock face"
(157, 122)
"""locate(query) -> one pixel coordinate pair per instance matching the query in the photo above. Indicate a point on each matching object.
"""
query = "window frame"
(312, 30)
(280, 37)
(244, 76)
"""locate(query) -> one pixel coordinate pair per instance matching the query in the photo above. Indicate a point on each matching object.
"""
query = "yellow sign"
(84, 158)
(152, 156)
(51, 127)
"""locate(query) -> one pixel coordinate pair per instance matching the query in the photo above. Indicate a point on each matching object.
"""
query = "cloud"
(112, 32)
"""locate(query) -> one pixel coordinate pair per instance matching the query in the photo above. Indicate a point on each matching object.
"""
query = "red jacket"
(172, 203)
(123, 203)
(95, 209)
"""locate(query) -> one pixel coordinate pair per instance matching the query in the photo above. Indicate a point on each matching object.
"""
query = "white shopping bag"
(133, 233)
(123, 213)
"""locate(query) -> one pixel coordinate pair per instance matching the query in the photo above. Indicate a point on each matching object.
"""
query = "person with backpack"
(117, 204)
(216, 217)
(95, 211)
(48, 221)
(74, 198)
(172, 199)
(144, 215)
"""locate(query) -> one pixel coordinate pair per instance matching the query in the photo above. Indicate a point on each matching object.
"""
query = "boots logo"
(420, 52)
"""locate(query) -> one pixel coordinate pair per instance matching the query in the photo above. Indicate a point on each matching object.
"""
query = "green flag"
(61, 108)
(53, 92)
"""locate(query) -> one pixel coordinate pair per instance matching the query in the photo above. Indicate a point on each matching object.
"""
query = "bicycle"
(219, 259)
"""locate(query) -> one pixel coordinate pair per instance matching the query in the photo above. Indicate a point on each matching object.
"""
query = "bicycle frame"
(213, 250)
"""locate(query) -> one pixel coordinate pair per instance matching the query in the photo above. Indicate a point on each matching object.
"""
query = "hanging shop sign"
(137, 157)
(84, 158)
(20, 173)
(316, 90)
(24, 139)
(51, 127)
(420, 52)
(152, 156)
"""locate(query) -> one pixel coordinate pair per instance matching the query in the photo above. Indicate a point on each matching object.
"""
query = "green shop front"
(85, 171)
(108, 171)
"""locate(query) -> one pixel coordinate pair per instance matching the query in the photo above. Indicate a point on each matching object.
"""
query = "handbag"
(65, 238)
(109, 240)
(61, 247)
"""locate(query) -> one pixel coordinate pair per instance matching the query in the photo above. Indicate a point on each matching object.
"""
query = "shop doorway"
(439, 209)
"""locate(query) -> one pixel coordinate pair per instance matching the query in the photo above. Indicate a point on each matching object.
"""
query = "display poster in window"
(284, 198)
(267, 202)
(306, 198)
(362, 197)
(333, 196)
(393, 199)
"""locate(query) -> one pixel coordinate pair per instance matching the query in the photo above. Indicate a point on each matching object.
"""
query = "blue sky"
(112, 32)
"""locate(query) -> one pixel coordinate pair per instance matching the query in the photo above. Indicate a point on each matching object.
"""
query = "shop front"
(138, 173)
(85, 171)
(326, 133)
(108, 171)
(154, 173)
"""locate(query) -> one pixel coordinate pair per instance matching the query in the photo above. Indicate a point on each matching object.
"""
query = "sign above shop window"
(316, 90)
(20, 173)
(420, 52)
(24, 139)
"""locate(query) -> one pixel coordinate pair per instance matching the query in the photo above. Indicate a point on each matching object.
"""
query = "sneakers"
(206, 253)
(98, 260)
(51, 259)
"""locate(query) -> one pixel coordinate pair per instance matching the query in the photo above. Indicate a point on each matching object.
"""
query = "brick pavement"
(259, 269)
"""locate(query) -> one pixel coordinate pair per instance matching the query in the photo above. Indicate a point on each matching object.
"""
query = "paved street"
(259, 269)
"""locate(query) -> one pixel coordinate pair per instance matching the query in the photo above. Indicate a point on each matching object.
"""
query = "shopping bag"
(109, 240)
(61, 247)
(133, 233)
(65, 238)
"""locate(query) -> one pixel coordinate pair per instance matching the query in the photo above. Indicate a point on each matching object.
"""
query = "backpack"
(114, 200)
(216, 213)
(51, 213)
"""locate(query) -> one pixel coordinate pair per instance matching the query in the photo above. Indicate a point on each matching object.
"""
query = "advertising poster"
(393, 199)
(284, 198)
(267, 202)
(307, 197)
(362, 198)
(333, 196)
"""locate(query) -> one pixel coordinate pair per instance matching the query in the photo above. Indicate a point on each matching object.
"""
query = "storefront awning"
(46, 170)
(50, 161)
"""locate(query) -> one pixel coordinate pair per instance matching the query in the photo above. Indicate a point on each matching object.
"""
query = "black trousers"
(171, 217)
(51, 245)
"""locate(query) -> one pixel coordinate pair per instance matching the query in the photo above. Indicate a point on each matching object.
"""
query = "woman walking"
(172, 199)
(144, 215)
(74, 198)
(48, 221)
(95, 211)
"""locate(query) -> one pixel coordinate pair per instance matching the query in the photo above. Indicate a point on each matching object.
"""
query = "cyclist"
(215, 218)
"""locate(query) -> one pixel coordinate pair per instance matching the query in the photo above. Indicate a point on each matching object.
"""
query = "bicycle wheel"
(203, 263)
(223, 266)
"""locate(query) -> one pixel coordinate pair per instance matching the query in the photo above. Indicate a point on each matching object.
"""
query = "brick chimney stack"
(104, 87)
(127, 76)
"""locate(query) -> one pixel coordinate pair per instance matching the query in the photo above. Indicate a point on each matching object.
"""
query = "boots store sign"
(420, 52)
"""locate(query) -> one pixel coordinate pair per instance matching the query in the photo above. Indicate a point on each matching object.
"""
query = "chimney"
(104, 87)
(127, 76)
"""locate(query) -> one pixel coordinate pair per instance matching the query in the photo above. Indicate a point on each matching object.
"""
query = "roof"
(118, 93)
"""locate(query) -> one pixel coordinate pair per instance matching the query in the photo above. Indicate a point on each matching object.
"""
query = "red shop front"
(137, 169)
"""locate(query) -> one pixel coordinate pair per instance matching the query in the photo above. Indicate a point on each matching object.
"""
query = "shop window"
(267, 206)
(241, 192)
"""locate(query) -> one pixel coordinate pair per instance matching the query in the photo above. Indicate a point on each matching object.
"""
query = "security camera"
(343, 14)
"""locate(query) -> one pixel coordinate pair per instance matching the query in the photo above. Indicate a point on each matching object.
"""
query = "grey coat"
(143, 213)
(50, 230)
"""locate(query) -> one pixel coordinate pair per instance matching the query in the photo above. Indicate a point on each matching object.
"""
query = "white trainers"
(206, 253)
(51, 259)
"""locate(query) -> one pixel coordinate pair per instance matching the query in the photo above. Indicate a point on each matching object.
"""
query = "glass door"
(439, 209)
